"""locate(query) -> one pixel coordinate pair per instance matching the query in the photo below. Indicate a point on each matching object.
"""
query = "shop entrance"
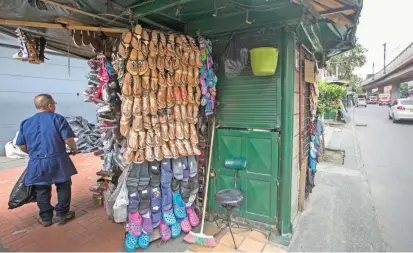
(259, 182)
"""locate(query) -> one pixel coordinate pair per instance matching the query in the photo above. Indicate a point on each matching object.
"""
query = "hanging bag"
(234, 61)
(21, 194)
(110, 203)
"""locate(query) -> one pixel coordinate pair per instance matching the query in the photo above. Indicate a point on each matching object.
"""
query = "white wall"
(20, 82)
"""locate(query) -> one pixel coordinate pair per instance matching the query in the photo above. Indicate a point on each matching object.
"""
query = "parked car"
(372, 100)
(384, 99)
(361, 102)
(401, 109)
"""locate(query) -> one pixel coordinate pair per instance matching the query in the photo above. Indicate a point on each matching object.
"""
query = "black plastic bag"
(234, 59)
(21, 194)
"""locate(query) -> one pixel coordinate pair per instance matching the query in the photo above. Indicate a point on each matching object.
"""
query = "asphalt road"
(387, 157)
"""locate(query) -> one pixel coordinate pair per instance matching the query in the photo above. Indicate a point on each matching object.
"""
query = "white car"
(361, 102)
(401, 109)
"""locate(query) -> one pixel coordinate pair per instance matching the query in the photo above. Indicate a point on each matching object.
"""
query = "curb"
(356, 143)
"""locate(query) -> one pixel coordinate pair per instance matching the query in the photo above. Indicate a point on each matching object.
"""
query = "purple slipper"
(147, 223)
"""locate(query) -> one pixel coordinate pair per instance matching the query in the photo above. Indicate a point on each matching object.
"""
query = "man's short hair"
(41, 101)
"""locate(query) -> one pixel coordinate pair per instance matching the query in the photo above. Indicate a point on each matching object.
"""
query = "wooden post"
(59, 26)
(66, 7)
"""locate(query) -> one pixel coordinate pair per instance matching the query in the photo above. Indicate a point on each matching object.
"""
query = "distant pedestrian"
(44, 137)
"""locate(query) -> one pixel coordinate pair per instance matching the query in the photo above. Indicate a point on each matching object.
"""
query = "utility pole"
(373, 70)
(384, 47)
(337, 63)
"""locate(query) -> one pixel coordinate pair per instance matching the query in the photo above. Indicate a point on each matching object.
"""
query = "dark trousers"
(44, 194)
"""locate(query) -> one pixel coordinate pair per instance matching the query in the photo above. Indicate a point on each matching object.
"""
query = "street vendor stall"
(161, 72)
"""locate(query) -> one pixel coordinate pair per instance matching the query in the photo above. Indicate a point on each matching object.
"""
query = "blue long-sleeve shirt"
(43, 134)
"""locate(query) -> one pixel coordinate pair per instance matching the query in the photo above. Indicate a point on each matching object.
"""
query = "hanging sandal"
(131, 242)
(135, 224)
(185, 225)
(147, 227)
(175, 230)
(192, 217)
(179, 206)
(165, 231)
(144, 240)
(169, 217)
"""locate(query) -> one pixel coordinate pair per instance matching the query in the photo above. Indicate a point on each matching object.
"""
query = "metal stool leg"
(229, 214)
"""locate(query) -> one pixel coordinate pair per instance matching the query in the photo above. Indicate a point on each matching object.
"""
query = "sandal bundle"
(159, 78)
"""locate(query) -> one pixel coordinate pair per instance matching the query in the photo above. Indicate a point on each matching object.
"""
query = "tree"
(348, 62)
(329, 94)
(404, 90)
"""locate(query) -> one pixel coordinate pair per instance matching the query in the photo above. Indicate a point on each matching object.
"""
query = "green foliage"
(349, 61)
(357, 89)
(329, 94)
(404, 90)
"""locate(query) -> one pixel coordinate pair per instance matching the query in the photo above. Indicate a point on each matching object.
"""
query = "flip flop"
(155, 174)
(185, 225)
(133, 203)
(169, 217)
(144, 240)
(175, 230)
(179, 206)
(185, 191)
(147, 223)
(185, 167)
(131, 242)
(192, 217)
(166, 179)
(156, 207)
(144, 201)
(177, 168)
(135, 224)
(165, 231)
(193, 166)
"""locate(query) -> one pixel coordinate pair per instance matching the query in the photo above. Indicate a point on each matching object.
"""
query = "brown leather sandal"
(162, 45)
(132, 65)
(153, 44)
(136, 38)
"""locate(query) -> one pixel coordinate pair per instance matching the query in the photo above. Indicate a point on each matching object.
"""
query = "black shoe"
(45, 223)
(67, 217)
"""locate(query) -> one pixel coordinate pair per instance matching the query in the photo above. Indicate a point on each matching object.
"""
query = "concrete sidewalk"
(339, 214)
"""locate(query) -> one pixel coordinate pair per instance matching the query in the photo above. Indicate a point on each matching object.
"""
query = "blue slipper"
(169, 217)
(179, 206)
(144, 240)
(175, 230)
(131, 242)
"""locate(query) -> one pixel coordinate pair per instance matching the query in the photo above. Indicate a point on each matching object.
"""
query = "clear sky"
(383, 21)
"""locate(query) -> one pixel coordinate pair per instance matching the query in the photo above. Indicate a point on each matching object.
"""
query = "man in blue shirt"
(44, 137)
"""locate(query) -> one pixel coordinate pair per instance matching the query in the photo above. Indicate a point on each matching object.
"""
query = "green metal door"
(258, 182)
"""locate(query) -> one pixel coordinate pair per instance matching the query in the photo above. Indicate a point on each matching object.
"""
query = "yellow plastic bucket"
(264, 61)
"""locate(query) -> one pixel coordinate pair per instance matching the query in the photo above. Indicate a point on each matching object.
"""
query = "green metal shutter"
(249, 101)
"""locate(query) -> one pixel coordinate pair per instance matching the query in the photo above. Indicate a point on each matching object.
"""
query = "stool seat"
(229, 197)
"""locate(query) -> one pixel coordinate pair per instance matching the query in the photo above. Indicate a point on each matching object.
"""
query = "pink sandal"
(135, 224)
(186, 225)
(192, 217)
(165, 231)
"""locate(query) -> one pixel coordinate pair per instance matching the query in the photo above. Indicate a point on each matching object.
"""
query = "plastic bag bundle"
(87, 135)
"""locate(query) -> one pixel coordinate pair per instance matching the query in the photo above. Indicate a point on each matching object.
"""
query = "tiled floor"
(246, 241)
(91, 230)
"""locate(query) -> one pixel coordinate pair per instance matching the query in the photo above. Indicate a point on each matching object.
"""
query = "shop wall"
(296, 137)
(21, 81)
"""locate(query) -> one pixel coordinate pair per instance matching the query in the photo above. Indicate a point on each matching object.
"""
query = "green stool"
(231, 199)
